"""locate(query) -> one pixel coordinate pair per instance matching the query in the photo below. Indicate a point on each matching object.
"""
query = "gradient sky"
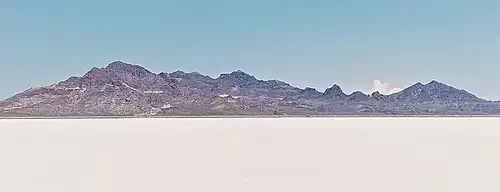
(306, 43)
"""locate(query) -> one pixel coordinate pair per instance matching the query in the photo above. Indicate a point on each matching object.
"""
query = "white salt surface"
(257, 155)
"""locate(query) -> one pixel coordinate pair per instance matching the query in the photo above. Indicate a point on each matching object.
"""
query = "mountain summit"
(434, 92)
(122, 89)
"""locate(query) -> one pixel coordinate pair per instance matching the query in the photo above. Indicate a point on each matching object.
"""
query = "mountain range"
(122, 89)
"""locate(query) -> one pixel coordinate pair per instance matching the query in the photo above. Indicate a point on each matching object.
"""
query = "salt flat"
(250, 154)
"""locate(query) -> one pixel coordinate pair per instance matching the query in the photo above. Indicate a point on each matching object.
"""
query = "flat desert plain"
(250, 155)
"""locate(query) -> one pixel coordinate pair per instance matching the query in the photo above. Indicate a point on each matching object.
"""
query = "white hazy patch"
(178, 79)
(223, 95)
(384, 88)
(166, 106)
(106, 86)
(251, 154)
(11, 108)
(73, 88)
(130, 87)
(153, 92)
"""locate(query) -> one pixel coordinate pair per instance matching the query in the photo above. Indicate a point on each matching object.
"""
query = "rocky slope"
(122, 89)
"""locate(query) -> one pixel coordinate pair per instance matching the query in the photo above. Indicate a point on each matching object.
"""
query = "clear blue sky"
(306, 43)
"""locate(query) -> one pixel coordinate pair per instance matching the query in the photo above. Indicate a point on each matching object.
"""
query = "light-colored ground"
(250, 154)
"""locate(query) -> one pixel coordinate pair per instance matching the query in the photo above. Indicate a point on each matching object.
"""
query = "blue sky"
(306, 43)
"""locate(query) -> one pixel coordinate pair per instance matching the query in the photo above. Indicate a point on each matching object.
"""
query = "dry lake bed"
(250, 155)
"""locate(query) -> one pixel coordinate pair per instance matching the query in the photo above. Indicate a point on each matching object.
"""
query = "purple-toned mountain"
(122, 89)
(433, 92)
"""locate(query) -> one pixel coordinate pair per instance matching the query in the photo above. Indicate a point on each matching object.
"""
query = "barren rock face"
(122, 89)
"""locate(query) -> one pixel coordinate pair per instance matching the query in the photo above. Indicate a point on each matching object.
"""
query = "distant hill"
(122, 89)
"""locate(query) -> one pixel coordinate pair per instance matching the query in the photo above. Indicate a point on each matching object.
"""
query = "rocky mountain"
(122, 89)
(433, 92)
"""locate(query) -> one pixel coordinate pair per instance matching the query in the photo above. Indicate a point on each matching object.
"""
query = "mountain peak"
(310, 89)
(240, 73)
(437, 85)
(358, 96)
(334, 92)
(178, 72)
(196, 73)
(117, 63)
(418, 84)
(435, 82)
(122, 67)
(433, 92)
(357, 93)
(277, 83)
(336, 86)
(238, 77)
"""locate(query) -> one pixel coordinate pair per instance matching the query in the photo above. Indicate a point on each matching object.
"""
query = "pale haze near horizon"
(251, 154)
(305, 43)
